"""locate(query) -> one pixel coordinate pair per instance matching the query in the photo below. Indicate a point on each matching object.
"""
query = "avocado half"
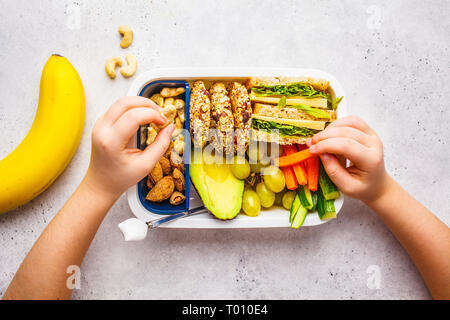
(220, 191)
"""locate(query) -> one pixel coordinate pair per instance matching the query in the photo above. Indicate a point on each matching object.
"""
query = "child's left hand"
(114, 167)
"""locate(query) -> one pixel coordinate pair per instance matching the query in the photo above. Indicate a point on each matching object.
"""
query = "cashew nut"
(181, 115)
(158, 99)
(111, 65)
(151, 135)
(168, 102)
(129, 70)
(179, 103)
(178, 146)
(170, 112)
(172, 92)
(127, 35)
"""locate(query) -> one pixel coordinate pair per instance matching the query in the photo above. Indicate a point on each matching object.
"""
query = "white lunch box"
(273, 217)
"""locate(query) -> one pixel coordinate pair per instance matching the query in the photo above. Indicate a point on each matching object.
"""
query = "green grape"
(256, 167)
(240, 168)
(279, 198)
(266, 196)
(265, 161)
(251, 203)
(274, 178)
(287, 200)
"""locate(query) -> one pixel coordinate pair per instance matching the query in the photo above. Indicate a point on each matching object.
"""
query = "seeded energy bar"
(199, 113)
(242, 111)
(221, 119)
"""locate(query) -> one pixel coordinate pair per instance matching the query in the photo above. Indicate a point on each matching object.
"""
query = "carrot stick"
(300, 173)
(299, 169)
(312, 169)
(289, 160)
(288, 172)
(289, 177)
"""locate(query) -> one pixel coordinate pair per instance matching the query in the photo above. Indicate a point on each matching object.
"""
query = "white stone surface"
(392, 57)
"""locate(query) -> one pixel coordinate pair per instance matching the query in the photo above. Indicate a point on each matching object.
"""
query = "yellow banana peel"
(52, 140)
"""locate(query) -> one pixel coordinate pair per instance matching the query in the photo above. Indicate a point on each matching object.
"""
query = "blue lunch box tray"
(165, 207)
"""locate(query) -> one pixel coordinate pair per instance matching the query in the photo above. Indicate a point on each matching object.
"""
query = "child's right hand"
(351, 138)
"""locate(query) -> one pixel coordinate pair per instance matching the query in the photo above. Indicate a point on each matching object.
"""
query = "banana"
(52, 140)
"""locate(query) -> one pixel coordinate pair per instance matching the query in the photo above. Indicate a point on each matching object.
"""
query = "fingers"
(122, 105)
(127, 125)
(336, 171)
(157, 148)
(353, 122)
(349, 148)
(343, 132)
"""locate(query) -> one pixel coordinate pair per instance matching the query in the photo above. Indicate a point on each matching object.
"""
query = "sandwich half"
(290, 110)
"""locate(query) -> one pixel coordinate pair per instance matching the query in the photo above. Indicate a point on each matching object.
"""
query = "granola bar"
(242, 111)
(199, 114)
(221, 119)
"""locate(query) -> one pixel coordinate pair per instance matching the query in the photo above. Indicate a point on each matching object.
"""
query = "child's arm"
(113, 168)
(422, 234)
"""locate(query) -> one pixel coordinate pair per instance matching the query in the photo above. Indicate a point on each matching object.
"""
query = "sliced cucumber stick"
(314, 200)
(299, 217)
(294, 207)
(325, 208)
(329, 189)
(305, 197)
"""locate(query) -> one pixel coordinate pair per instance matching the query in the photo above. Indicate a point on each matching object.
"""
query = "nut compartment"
(142, 189)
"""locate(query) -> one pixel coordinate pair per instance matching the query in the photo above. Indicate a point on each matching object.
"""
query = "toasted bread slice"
(314, 102)
(262, 81)
(316, 83)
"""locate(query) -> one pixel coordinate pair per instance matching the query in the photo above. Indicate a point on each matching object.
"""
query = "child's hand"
(114, 167)
(351, 138)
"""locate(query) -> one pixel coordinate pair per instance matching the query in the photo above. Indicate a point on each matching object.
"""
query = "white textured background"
(392, 57)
